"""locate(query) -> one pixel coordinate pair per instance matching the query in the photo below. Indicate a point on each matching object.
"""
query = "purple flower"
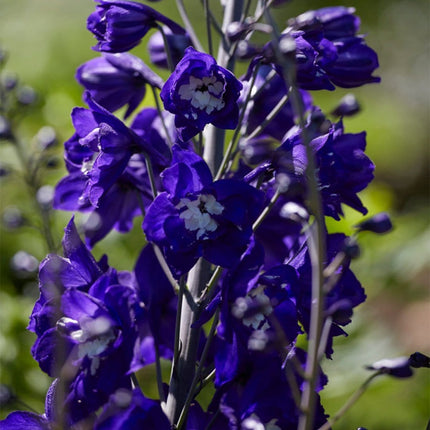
(200, 92)
(107, 170)
(380, 223)
(84, 326)
(343, 167)
(177, 43)
(115, 80)
(197, 217)
(119, 25)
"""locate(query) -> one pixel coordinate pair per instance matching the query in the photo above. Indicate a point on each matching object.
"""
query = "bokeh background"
(46, 40)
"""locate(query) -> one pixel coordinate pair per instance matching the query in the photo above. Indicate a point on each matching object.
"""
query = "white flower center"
(94, 336)
(197, 215)
(204, 94)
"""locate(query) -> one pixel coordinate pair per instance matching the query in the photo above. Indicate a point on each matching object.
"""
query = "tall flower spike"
(200, 92)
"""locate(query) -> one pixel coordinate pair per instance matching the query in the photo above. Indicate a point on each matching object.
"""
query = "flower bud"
(348, 106)
(379, 224)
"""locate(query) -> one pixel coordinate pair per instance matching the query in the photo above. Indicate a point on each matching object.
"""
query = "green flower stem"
(282, 102)
(183, 369)
(208, 26)
(198, 372)
(350, 402)
(266, 210)
(167, 49)
(188, 25)
(233, 140)
(160, 114)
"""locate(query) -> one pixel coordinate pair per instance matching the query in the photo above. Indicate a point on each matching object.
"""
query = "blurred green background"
(46, 41)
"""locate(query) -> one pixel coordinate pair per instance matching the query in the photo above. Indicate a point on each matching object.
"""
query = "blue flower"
(200, 92)
(107, 171)
(84, 325)
(115, 80)
(197, 217)
(119, 25)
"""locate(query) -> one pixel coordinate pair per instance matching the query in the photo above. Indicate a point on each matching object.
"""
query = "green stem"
(233, 141)
(208, 26)
(188, 25)
(198, 373)
(160, 114)
(350, 402)
(266, 210)
(167, 49)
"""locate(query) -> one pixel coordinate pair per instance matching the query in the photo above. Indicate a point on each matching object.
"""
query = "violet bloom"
(343, 168)
(200, 92)
(116, 80)
(84, 326)
(107, 170)
(119, 25)
(197, 217)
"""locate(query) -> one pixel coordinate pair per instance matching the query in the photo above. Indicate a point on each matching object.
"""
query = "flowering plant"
(239, 285)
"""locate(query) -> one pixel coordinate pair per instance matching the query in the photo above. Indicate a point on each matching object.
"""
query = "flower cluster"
(235, 245)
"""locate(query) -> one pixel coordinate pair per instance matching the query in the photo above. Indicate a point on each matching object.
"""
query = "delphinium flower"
(197, 217)
(119, 25)
(199, 92)
(116, 80)
(107, 168)
(84, 327)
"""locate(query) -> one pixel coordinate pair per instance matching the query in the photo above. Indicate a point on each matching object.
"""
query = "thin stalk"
(159, 375)
(188, 25)
(350, 402)
(33, 184)
(282, 102)
(316, 242)
(167, 49)
(183, 371)
(233, 140)
(165, 267)
(160, 114)
(151, 177)
(266, 210)
(207, 292)
(208, 26)
(199, 370)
